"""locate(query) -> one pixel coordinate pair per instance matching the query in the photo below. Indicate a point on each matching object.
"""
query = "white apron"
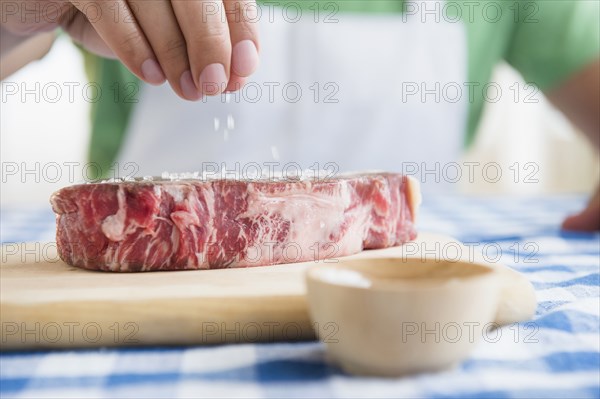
(355, 110)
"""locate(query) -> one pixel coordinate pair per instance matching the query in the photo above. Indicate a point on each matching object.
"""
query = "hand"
(578, 98)
(586, 220)
(202, 47)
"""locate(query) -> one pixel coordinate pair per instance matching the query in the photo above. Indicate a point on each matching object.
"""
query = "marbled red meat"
(207, 224)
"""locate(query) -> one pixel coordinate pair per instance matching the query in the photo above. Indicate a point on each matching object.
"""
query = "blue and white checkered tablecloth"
(555, 355)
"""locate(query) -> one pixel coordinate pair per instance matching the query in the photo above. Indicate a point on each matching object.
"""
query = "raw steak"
(163, 224)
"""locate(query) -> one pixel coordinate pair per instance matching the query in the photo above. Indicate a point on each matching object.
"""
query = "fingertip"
(152, 72)
(586, 221)
(245, 58)
(188, 87)
(213, 79)
(570, 223)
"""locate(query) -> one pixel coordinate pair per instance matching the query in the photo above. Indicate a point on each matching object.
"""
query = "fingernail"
(245, 58)
(188, 87)
(152, 72)
(213, 79)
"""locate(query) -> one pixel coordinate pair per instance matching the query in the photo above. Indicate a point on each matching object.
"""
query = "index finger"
(117, 26)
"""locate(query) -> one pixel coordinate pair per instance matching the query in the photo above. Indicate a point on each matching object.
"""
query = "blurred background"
(47, 137)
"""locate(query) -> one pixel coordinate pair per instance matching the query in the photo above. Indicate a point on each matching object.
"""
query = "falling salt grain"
(227, 98)
(275, 152)
(230, 122)
(322, 224)
(217, 124)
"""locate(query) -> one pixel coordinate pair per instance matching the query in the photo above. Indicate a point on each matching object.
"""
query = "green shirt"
(545, 40)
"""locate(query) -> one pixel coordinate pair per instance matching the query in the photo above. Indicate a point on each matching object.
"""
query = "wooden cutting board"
(46, 303)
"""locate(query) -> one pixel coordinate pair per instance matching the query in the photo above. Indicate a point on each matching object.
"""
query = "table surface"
(557, 354)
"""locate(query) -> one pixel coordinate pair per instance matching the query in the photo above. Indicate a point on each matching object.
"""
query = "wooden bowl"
(392, 316)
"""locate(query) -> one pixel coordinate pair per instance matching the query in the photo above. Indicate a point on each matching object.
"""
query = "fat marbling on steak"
(164, 224)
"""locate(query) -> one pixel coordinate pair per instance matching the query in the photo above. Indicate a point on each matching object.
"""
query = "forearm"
(579, 99)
